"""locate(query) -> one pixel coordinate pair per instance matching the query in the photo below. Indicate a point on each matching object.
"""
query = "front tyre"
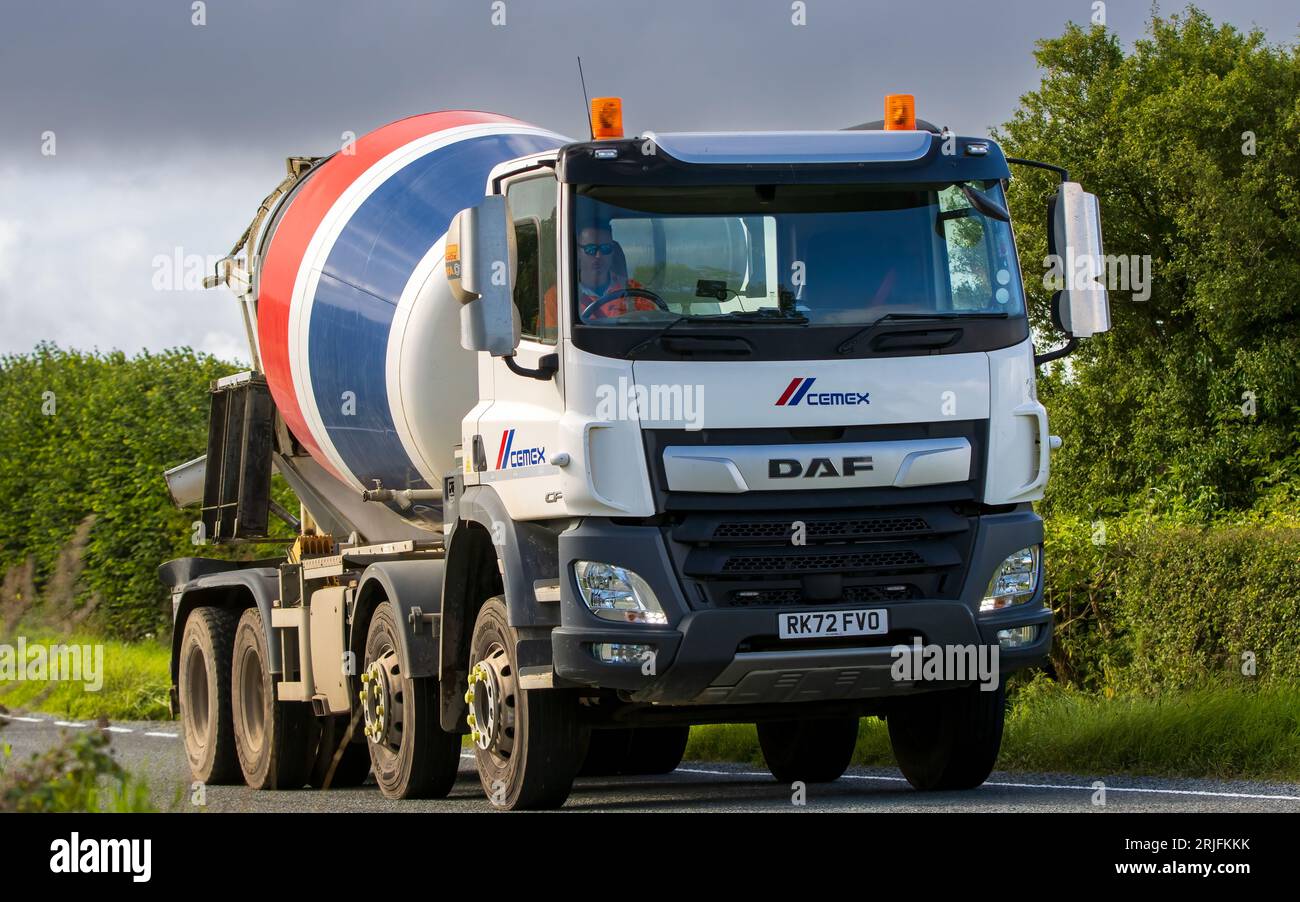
(635, 751)
(528, 743)
(412, 757)
(949, 739)
(810, 750)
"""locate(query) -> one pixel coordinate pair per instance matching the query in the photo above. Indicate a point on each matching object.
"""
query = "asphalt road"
(154, 751)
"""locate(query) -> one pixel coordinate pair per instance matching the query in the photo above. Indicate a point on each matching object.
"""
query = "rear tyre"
(203, 690)
(950, 739)
(271, 736)
(353, 764)
(810, 750)
(528, 743)
(412, 757)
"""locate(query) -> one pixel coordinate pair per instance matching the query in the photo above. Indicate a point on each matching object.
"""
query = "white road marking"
(1088, 788)
(880, 779)
(81, 725)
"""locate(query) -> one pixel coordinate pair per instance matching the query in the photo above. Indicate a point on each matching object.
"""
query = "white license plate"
(820, 624)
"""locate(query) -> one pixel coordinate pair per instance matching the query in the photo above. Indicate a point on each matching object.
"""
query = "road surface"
(154, 751)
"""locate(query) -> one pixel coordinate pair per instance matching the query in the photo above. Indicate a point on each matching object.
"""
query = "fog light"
(621, 652)
(1017, 637)
(1014, 581)
(616, 593)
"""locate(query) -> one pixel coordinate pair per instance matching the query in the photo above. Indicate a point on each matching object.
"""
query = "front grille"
(735, 559)
(864, 527)
(853, 544)
(810, 562)
(796, 595)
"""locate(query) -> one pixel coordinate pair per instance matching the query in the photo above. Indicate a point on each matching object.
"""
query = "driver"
(602, 276)
(597, 277)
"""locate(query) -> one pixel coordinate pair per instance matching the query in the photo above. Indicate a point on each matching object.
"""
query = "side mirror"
(1082, 307)
(480, 266)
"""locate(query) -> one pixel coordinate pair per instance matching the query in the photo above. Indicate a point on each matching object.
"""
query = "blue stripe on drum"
(361, 283)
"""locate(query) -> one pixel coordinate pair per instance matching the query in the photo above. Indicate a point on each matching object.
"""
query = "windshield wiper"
(750, 316)
(849, 343)
(985, 204)
(775, 318)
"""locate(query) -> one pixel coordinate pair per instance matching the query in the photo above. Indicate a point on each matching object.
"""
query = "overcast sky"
(168, 134)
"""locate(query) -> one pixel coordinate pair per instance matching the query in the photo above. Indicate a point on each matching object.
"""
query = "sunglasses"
(590, 249)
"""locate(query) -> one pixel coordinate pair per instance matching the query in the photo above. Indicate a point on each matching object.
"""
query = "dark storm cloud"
(169, 134)
(136, 76)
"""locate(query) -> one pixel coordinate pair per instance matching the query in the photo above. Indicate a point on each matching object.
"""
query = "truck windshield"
(820, 254)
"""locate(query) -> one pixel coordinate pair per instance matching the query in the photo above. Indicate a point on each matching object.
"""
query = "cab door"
(519, 426)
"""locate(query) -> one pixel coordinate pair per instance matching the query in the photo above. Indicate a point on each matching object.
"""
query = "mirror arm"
(1065, 176)
(1064, 350)
(548, 366)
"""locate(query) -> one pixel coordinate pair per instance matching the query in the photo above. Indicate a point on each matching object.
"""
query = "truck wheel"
(635, 751)
(528, 743)
(271, 736)
(353, 765)
(606, 752)
(810, 750)
(203, 676)
(412, 757)
(949, 739)
(656, 750)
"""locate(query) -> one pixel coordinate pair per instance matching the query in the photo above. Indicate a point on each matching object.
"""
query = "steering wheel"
(594, 309)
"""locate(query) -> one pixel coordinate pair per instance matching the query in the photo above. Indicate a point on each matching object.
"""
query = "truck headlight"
(1014, 581)
(616, 593)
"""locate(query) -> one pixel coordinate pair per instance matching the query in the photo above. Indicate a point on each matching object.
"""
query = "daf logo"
(818, 467)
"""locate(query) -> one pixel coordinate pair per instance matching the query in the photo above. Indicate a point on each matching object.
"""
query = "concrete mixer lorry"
(597, 440)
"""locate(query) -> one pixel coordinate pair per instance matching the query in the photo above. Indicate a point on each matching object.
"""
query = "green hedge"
(83, 507)
(1146, 605)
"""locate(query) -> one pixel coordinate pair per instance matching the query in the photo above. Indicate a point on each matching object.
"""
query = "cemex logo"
(798, 391)
(509, 456)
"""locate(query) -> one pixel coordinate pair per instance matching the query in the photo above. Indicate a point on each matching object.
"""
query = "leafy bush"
(1145, 605)
(1188, 140)
(79, 774)
(88, 435)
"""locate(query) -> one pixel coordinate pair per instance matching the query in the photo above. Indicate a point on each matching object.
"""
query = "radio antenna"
(586, 103)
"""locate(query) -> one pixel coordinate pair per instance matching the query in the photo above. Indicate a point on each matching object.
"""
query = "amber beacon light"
(900, 112)
(606, 117)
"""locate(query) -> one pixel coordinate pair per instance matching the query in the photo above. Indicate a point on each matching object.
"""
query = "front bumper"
(716, 655)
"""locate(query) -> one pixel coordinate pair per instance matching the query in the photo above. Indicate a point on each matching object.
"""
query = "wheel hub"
(382, 716)
(491, 701)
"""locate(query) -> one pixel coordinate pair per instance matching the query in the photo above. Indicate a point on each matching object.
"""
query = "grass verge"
(135, 678)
